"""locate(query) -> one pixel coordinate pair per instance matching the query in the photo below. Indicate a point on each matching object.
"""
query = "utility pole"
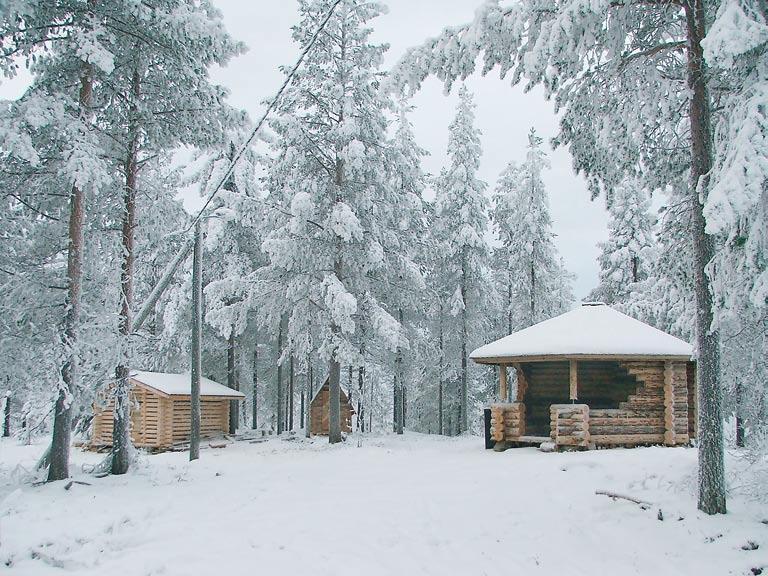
(197, 324)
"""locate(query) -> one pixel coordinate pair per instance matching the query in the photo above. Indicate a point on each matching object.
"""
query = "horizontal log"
(628, 438)
(624, 430)
(627, 421)
(569, 441)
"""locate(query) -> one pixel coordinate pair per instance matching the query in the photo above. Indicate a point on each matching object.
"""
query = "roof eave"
(495, 360)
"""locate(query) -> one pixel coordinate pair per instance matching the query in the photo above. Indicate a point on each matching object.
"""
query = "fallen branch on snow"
(69, 484)
(616, 496)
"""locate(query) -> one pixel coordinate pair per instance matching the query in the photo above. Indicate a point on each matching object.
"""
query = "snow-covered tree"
(331, 186)
(625, 259)
(464, 255)
(529, 264)
(121, 102)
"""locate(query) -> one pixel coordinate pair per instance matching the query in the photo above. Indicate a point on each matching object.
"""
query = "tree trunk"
(121, 432)
(308, 429)
(334, 408)
(360, 397)
(533, 294)
(509, 301)
(740, 428)
(70, 374)
(334, 371)
(399, 386)
(234, 405)
(463, 420)
(255, 376)
(279, 385)
(440, 365)
(290, 393)
(711, 445)
(7, 415)
(302, 405)
(196, 353)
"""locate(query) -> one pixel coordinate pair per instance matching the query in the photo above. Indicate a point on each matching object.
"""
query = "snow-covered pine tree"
(737, 206)
(328, 183)
(161, 99)
(460, 226)
(625, 257)
(402, 230)
(77, 55)
(145, 100)
(529, 264)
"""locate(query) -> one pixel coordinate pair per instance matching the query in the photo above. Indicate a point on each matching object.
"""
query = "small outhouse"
(592, 377)
(319, 410)
(161, 410)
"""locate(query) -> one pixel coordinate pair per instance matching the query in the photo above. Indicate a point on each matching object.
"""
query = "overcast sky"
(504, 114)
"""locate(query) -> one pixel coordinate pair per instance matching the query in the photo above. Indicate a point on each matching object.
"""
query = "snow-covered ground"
(377, 505)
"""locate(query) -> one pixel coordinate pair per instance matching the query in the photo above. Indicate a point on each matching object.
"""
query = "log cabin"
(592, 377)
(319, 411)
(161, 413)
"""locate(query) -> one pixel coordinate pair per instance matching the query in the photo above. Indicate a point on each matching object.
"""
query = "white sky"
(504, 114)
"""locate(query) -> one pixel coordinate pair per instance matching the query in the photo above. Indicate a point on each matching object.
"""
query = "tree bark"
(440, 365)
(308, 428)
(70, 374)
(334, 372)
(399, 387)
(302, 405)
(234, 405)
(291, 393)
(121, 432)
(711, 445)
(360, 397)
(463, 420)
(255, 376)
(279, 385)
(7, 415)
(197, 328)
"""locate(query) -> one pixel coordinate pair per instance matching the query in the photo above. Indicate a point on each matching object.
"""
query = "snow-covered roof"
(593, 329)
(180, 385)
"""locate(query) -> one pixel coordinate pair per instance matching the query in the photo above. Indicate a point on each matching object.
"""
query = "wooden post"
(669, 404)
(574, 367)
(522, 383)
(503, 388)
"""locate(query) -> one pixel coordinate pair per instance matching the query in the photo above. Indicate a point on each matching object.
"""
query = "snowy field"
(380, 505)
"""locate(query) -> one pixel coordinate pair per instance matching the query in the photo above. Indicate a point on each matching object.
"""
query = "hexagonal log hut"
(592, 377)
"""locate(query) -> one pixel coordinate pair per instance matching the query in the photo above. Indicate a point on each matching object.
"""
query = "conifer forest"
(383, 287)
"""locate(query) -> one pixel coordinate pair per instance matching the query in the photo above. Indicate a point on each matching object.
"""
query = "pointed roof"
(181, 385)
(327, 385)
(592, 330)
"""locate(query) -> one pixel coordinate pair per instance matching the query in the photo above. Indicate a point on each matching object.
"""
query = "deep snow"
(376, 505)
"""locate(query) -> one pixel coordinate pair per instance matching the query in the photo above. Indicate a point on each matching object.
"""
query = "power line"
(248, 141)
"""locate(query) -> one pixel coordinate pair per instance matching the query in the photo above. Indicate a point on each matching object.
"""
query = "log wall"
(569, 425)
(507, 421)
(629, 403)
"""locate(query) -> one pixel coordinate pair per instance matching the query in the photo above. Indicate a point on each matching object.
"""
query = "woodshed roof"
(180, 385)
